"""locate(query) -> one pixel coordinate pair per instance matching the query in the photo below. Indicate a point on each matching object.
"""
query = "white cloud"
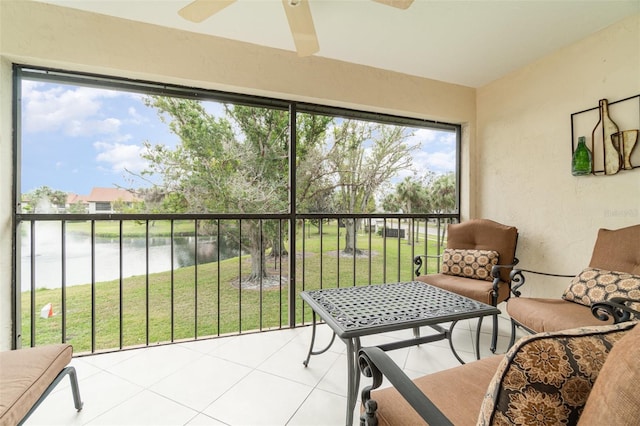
(442, 162)
(422, 137)
(93, 127)
(134, 116)
(74, 111)
(435, 161)
(120, 156)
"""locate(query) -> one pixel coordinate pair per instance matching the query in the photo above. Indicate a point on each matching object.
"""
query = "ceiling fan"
(297, 11)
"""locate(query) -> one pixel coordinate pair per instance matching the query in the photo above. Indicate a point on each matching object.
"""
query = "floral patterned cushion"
(546, 378)
(597, 285)
(474, 264)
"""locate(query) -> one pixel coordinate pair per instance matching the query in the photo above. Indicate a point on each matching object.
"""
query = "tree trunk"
(256, 250)
(410, 232)
(350, 237)
(278, 248)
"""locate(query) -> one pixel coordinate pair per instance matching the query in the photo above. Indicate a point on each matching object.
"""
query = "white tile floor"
(253, 379)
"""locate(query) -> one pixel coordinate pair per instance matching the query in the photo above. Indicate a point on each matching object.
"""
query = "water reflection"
(48, 257)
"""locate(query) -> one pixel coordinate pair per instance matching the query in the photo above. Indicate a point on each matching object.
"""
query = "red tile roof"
(103, 195)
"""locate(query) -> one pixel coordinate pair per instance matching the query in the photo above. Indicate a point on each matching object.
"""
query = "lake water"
(48, 259)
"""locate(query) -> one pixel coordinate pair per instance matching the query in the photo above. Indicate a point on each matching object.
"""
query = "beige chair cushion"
(485, 234)
(615, 398)
(617, 250)
(458, 392)
(549, 315)
(614, 250)
(546, 379)
(479, 290)
(24, 376)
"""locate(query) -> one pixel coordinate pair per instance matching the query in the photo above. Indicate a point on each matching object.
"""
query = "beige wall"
(524, 153)
(44, 35)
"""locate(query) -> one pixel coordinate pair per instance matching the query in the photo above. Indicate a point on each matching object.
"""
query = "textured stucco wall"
(524, 153)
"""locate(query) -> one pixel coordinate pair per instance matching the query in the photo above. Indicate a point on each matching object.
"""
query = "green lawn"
(211, 306)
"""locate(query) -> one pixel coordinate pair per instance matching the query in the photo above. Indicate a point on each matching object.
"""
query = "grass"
(201, 302)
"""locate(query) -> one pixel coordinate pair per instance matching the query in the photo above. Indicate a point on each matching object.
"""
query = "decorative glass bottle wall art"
(604, 130)
(626, 140)
(613, 145)
(581, 162)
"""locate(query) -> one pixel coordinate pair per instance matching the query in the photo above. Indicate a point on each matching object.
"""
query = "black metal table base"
(354, 345)
(353, 312)
(313, 339)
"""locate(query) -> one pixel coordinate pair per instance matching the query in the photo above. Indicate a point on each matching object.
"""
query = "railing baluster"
(33, 282)
(93, 286)
(320, 227)
(370, 251)
(355, 251)
(146, 280)
(240, 277)
(384, 250)
(260, 281)
(121, 283)
(399, 247)
(172, 280)
(218, 276)
(338, 253)
(63, 284)
(292, 258)
(195, 280)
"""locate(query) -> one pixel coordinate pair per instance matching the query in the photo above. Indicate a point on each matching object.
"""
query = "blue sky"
(75, 138)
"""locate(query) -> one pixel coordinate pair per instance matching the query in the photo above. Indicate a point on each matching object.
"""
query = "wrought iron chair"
(613, 272)
(545, 374)
(476, 263)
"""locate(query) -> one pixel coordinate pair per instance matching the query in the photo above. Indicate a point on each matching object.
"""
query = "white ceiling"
(465, 42)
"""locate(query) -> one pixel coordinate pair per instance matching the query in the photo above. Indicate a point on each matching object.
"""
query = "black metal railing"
(106, 282)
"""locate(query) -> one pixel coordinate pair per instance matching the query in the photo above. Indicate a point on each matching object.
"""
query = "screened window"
(149, 148)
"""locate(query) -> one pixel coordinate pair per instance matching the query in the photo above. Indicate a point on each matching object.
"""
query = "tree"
(443, 193)
(411, 195)
(363, 157)
(236, 163)
(45, 199)
(443, 196)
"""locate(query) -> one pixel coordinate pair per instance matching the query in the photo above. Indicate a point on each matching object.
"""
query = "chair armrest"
(617, 307)
(518, 279)
(375, 363)
(495, 273)
(418, 262)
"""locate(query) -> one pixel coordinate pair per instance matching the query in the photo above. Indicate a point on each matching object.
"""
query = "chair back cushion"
(485, 234)
(546, 378)
(617, 250)
(615, 399)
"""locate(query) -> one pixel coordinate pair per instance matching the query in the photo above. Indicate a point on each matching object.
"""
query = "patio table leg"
(313, 339)
(450, 338)
(353, 377)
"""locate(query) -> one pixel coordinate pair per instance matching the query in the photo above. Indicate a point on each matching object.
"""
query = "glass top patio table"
(352, 312)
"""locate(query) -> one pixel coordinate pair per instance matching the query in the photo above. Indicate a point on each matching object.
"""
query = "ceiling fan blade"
(199, 10)
(400, 4)
(302, 28)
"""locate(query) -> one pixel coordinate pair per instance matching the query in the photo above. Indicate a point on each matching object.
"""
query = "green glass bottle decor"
(581, 162)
